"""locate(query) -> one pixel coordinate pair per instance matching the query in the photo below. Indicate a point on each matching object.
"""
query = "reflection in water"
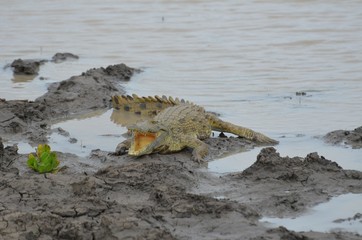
(21, 78)
(91, 132)
(125, 118)
(130, 110)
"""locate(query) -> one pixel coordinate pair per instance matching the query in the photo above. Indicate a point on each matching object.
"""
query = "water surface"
(242, 59)
(320, 218)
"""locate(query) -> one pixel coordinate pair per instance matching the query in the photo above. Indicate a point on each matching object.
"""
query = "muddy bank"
(103, 196)
(164, 196)
(292, 184)
(351, 138)
(81, 94)
(88, 92)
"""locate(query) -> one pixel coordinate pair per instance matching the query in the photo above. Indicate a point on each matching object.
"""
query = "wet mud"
(164, 197)
(103, 196)
(62, 57)
(77, 95)
(294, 184)
(351, 138)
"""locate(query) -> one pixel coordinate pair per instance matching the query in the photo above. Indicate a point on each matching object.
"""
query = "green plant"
(45, 161)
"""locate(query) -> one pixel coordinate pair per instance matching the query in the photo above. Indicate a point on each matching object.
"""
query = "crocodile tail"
(219, 125)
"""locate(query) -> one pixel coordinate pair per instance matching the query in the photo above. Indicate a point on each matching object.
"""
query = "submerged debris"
(27, 66)
(61, 57)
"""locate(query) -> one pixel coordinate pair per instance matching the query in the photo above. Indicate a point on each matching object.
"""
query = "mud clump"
(270, 165)
(27, 66)
(294, 184)
(62, 57)
(122, 70)
(32, 66)
(352, 138)
(80, 94)
(88, 92)
(8, 155)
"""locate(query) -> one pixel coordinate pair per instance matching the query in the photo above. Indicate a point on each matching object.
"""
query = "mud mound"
(88, 92)
(26, 66)
(118, 71)
(79, 94)
(32, 66)
(293, 184)
(352, 138)
(270, 165)
(61, 57)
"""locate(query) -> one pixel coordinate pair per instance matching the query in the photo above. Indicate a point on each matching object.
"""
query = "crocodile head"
(147, 137)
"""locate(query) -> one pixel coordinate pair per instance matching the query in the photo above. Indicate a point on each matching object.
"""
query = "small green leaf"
(43, 149)
(32, 162)
(46, 161)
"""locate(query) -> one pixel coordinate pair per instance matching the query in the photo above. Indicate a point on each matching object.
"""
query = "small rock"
(62, 132)
(27, 66)
(352, 138)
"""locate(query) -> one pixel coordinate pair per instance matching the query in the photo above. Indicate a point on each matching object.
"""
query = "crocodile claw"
(120, 150)
(199, 160)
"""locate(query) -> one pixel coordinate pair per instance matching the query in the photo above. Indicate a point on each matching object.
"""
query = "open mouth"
(141, 141)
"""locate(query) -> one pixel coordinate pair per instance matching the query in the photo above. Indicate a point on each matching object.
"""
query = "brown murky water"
(244, 60)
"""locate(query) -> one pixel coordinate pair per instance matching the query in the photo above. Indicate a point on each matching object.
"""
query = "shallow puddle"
(82, 135)
(342, 213)
(292, 146)
(86, 134)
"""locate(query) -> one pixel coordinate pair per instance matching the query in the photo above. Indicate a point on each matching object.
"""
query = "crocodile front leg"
(122, 147)
(200, 149)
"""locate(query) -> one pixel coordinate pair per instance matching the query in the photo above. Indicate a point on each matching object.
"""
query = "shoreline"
(156, 196)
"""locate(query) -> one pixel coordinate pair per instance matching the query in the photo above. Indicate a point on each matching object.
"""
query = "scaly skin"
(175, 126)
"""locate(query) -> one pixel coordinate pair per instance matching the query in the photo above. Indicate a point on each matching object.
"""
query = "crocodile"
(173, 125)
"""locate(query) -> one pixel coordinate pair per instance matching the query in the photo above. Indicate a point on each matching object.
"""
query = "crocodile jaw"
(141, 143)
